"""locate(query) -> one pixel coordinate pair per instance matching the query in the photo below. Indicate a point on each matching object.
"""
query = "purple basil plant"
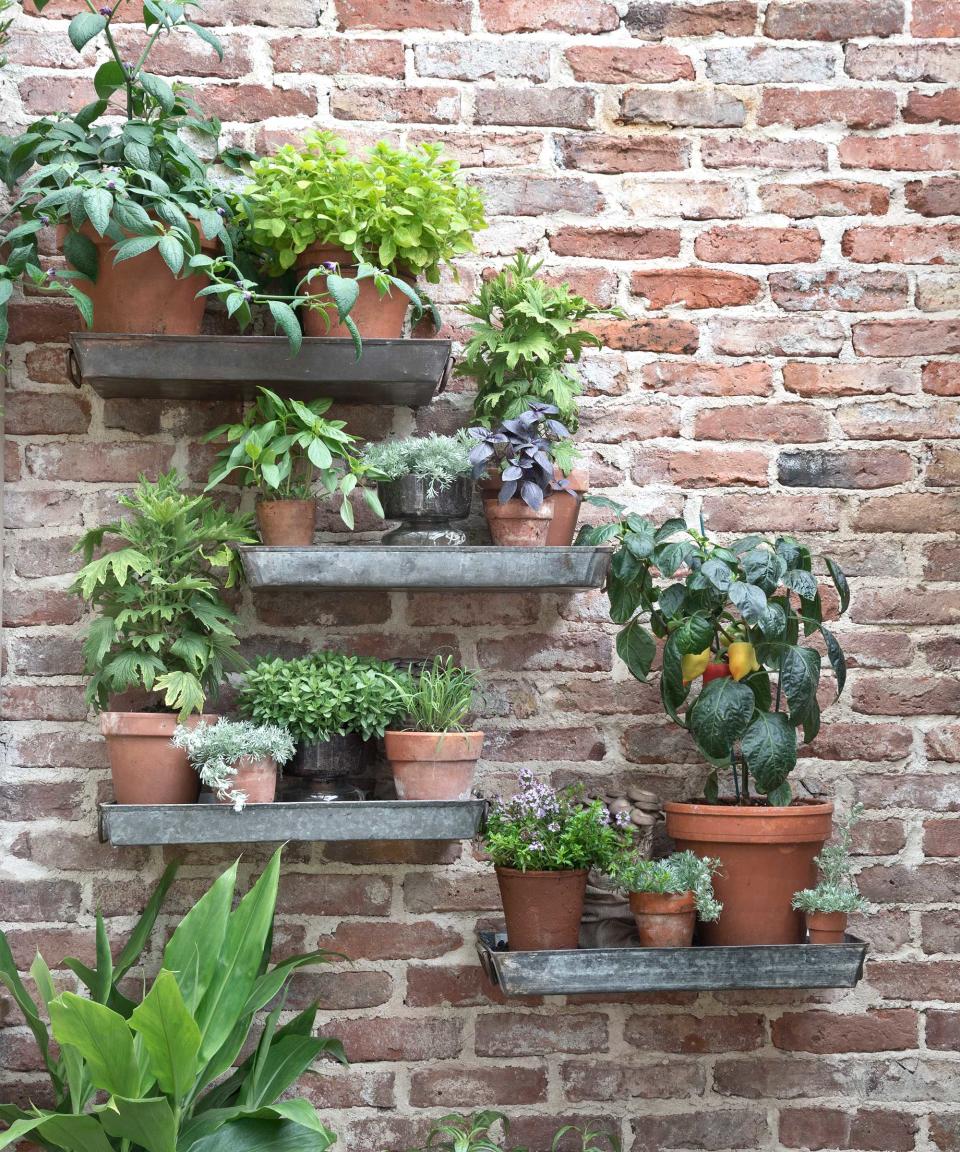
(521, 448)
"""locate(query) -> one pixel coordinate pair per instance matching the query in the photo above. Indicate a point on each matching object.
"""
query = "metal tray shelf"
(403, 372)
(134, 824)
(612, 970)
(436, 568)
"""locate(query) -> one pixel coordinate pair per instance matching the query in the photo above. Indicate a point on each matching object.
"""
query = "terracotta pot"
(542, 909)
(377, 317)
(256, 779)
(664, 921)
(145, 766)
(289, 522)
(516, 525)
(142, 295)
(826, 927)
(433, 765)
(566, 509)
(766, 855)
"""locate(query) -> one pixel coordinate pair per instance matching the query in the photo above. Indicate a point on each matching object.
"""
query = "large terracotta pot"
(289, 522)
(826, 927)
(664, 921)
(145, 766)
(542, 909)
(377, 317)
(433, 765)
(256, 779)
(766, 855)
(142, 294)
(514, 524)
(566, 509)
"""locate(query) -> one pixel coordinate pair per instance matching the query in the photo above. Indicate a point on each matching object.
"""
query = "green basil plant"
(159, 1065)
(731, 617)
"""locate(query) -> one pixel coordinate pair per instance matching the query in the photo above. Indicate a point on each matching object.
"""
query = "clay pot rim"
(663, 903)
(736, 824)
(402, 745)
(88, 230)
(286, 500)
(541, 872)
(147, 723)
(827, 919)
(508, 509)
(319, 250)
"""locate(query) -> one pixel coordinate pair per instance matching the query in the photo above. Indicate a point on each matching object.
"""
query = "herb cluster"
(543, 829)
(475, 1133)
(525, 450)
(215, 750)
(438, 698)
(672, 876)
(837, 889)
(437, 459)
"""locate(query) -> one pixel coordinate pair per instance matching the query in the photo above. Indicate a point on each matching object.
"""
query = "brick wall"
(768, 195)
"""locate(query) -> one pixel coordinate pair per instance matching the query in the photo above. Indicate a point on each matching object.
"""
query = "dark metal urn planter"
(426, 511)
(339, 758)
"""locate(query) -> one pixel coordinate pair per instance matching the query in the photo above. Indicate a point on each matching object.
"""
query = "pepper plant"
(138, 1066)
(733, 618)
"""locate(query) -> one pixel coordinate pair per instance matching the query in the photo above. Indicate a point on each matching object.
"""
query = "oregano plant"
(732, 619)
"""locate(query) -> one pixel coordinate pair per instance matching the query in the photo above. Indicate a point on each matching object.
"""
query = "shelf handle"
(73, 369)
(445, 377)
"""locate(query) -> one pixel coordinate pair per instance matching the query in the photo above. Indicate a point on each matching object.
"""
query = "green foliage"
(136, 180)
(672, 876)
(283, 446)
(543, 829)
(527, 337)
(142, 1075)
(438, 698)
(837, 889)
(214, 750)
(162, 624)
(404, 210)
(325, 694)
(744, 606)
(475, 1133)
(6, 21)
(437, 459)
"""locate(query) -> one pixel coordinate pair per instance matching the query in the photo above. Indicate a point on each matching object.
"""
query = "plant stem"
(736, 777)
(745, 786)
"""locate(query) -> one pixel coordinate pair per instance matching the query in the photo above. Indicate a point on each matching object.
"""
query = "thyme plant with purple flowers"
(542, 829)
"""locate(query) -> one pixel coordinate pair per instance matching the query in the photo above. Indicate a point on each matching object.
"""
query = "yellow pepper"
(743, 660)
(693, 665)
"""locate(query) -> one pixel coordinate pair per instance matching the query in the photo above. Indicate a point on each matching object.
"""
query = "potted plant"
(543, 842)
(332, 704)
(394, 216)
(425, 482)
(238, 761)
(731, 619)
(518, 504)
(431, 756)
(139, 1064)
(827, 906)
(475, 1133)
(667, 896)
(162, 629)
(284, 446)
(131, 200)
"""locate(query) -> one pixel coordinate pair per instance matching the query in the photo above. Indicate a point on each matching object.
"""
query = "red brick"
(941, 379)
(115, 463)
(766, 1075)
(907, 605)
(938, 293)
(512, 1034)
(906, 337)
(42, 321)
(907, 696)
(396, 105)
(524, 744)
(758, 513)
(251, 103)
(694, 288)
(30, 901)
(11, 462)
(905, 244)
(695, 1034)
(917, 980)
(457, 986)
(42, 702)
(22, 800)
(941, 560)
(330, 56)
(933, 108)
(832, 19)
(471, 892)
(698, 379)
(704, 1129)
(616, 243)
(837, 379)
(933, 792)
(942, 653)
(825, 198)
(46, 653)
(346, 895)
(893, 420)
(792, 336)
(400, 15)
(700, 467)
(337, 989)
(879, 468)
(703, 200)
(938, 196)
(416, 1038)
(900, 884)
(934, 18)
(840, 291)
(548, 15)
(682, 108)
(530, 194)
(771, 423)
(45, 413)
(653, 19)
(931, 63)
(916, 152)
(589, 152)
(621, 64)
(907, 512)
(746, 152)
(323, 608)
(941, 837)
(360, 940)
(487, 150)
(179, 56)
(877, 1030)
(879, 838)
(802, 108)
(675, 336)
(482, 60)
(733, 244)
(871, 742)
(944, 466)
(467, 1087)
(348, 1087)
(866, 1130)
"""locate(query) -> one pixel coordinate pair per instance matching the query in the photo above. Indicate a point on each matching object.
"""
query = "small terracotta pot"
(377, 317)
(766, 856)
(542, 909)
(433, 765)
(514, 524)
(289, 522)
(256, 779)
(566, 509)
(826, 927)
(145, 766)
(142, 295)
(664, 921)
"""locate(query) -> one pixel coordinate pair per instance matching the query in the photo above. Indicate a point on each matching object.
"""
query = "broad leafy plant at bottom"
(156, 1074)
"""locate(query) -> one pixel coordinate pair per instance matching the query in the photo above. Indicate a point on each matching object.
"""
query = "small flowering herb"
(541, 829)
(673, 876)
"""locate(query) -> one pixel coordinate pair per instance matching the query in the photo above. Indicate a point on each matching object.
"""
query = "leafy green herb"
(837, 889)
(437, 459)
(438, 698)
(672, 876)
(214, 751)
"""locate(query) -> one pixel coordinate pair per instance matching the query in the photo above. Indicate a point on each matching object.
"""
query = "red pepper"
(715, 671)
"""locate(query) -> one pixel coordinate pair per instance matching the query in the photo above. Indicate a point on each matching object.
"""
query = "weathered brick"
(906, 337)
(879, 468)
(695, 1034)
(769, 64)
(682, 108)
(658, 335)
(759, 152)
(674, 378)
(932, 108)
(757, 513)
(589, 152)
(804, 107)
(622, 64)
(362, 940)
(706, 1129)
(509, 1034)
(704, 200)
(907, 605)
(941, 379)
(837, 379)
(491, 60)
(769, 423)
(907, 512)
(653, 19)
(399, 15)
(397, 1038)
(694, 288)
(938, 293)
(465, 1087)
(329, 56)
(733, 244)
(616, 243)
(531, 194)
(916, 152)
(866, 1130)
(841, 291)
(832, 19)
(894, 420)
(792, 336)
(473, 892)
(535, 107)
(396, 105)
(548, 15)
(907, 696)
(700, 467)
(930, 63)
(825, 198)
(877, 1030)
(941, 837)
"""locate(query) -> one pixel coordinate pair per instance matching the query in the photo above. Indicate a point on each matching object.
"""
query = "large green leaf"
(81, 253)
(170, 1036)
(10, 979)
(282, 1066)
(83, 27)
(262, 1136)
(102, 1038)
(271, 983)
(769, 746)
(345, 293)
(763, 567)
(720, 714)
(20, 1128)
(286, 321)
(148, 1123)
(673, 692)
(800, 582)
(835, 655)
(799, 679)
(636, 648)
(76, 1133)
(750, 601)
(194, 949)
(839, 582)
(694, 634)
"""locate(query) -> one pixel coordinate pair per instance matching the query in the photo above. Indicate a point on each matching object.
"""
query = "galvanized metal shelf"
(613, 970)
(403, 372)
(431, 568)
(133, 824)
